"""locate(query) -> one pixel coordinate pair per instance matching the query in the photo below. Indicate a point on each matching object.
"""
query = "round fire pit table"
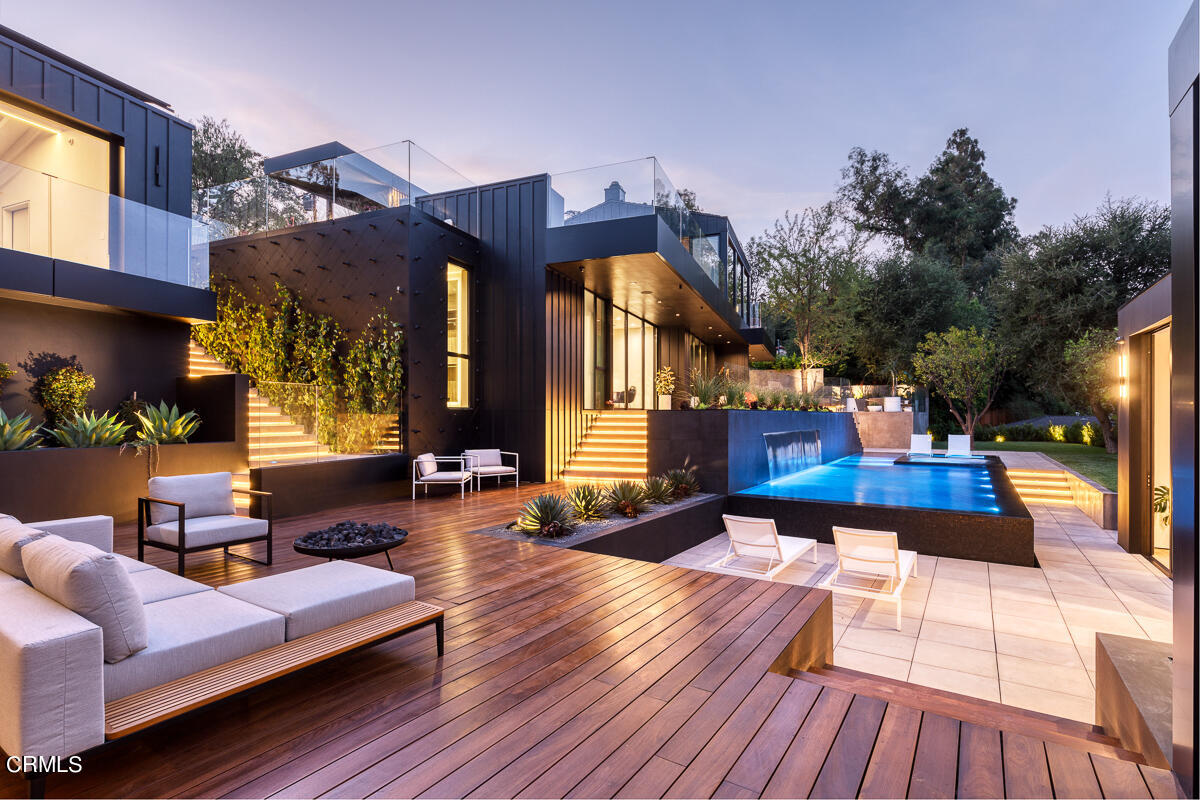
(352, 540)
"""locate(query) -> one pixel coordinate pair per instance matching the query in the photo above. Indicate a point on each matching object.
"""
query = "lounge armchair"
(427, 470)
(870, 564)
(851, 404)
(921, 444)
(755, 537)
(189, 513)
(490, 464)
(958, 445)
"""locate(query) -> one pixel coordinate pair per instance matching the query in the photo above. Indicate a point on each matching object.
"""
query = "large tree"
(1089, 369)
(220, 154)
(903, 298)
(810, 263)
(964, 367)
(1062, 282)
(955, 210)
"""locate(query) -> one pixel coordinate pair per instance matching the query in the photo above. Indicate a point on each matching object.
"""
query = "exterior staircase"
(613, 449)
(1042, 486)
(274, 437)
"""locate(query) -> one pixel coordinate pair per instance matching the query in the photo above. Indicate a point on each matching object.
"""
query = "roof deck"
(573, 674)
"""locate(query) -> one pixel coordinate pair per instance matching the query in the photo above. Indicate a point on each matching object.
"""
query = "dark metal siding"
(565, 419)
(39, 79)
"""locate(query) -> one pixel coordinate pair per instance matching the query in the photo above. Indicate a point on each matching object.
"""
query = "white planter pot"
(664, 402)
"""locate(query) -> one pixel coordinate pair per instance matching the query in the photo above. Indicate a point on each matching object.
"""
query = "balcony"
(331, 182)
(48, 216)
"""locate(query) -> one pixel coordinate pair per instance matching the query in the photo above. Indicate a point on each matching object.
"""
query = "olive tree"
(964, 367)
(1088, 364)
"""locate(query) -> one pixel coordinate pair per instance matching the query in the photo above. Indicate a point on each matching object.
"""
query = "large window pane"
(635, 391)
(458, 342)
(620, 380)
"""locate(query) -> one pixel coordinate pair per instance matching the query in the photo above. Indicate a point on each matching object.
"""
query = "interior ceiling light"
(28, 121)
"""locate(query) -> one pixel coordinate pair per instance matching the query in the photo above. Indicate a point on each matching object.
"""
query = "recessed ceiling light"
(710, 327)
(677, 313)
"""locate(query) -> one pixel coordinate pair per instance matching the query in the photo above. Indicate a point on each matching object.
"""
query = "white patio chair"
(490, 464)
(921, 444)
(870, 564)
(755, 537)
(427, 470)
(958, 445)
(851, 404)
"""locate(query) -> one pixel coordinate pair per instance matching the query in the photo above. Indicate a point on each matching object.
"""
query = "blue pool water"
(872, 480)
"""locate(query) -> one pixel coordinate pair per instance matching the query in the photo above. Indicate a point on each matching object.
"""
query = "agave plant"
(548, 515)
(89, 430)
(683, 482)
(162, 425)
(626, 497)
(657, 490)
(587, 502)
(15, 432)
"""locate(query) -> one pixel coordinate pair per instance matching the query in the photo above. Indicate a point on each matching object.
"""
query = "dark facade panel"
(25, 272)
(565, 420)
(107, 287)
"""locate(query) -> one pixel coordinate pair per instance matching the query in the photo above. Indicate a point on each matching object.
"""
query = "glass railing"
(630, 189)
(298, 423)
(384, 177)
(53, 217)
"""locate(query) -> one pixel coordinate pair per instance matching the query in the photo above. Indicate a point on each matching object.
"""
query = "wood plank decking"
(578, 675)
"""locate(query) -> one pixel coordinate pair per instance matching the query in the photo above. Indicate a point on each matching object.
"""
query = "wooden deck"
(569, 674)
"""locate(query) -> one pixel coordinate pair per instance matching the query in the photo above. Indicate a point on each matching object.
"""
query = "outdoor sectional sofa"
(139, 645)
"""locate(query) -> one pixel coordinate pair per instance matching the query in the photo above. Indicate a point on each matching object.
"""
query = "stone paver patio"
(1018, 635)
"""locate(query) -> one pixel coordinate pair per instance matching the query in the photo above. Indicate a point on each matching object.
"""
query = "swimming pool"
(955, 510)
(879, 481)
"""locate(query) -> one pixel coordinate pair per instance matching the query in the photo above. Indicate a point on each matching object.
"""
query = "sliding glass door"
(619, 356)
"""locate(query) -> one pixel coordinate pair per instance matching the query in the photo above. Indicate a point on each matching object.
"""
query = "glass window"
(619, 361)
(458, 345)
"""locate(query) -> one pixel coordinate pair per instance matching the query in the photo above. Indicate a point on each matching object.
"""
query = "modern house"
(531, 306)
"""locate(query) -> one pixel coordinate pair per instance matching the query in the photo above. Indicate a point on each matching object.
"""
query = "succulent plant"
(162, 425)
(588, 503)
(16, 433)
(658, 490)
(683, 482)
(89, 430)
(626, 498)
(548, 515)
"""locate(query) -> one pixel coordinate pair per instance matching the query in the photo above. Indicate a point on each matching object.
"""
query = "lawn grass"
(1090, 461)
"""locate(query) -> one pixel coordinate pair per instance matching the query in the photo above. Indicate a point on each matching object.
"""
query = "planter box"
(60, 482)
(305, 488)
(661, 537)
(727, 447)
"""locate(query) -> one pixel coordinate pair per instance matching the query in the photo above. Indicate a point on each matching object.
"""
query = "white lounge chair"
(921, 444)
(490, 464)
(427, 469)
(958, 445)
(870, 564)
(851, 404)
(755, 537)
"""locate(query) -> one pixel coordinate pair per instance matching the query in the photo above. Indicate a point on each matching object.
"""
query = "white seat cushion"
(191, 633)
(206, 495)
(427, 464)
(94, 585)
(793, 546)
(132, 565)
(444, 477)
(206, 531)
(494, 470)
(484, 458)
(319, 597)
(153, 585)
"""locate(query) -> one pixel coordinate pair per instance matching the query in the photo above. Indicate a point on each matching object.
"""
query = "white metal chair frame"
(465, 480)
(921, 444)
(890, 568)
(773, 548)
(479, 476)
(958, 445)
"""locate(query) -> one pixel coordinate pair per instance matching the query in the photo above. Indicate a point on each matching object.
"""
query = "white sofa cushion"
(494, 470)
(191, 633)
(13, 536)
(153, 585)
(445, 477)
(484, 458)
(132, 565)
(94, 585)
(205, 531)
(206, 495)
(426, 464)
(96, 530)
(51, 695)
(319, 597)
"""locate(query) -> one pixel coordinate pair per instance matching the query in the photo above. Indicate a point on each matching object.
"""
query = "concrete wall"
(788, 380)
(884, 429)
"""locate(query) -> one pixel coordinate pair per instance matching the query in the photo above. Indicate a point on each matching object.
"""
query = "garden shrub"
(62, 393)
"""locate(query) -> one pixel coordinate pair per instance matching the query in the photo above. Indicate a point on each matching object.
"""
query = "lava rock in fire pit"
(348, 539)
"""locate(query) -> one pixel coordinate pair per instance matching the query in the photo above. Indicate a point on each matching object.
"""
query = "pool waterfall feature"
(789, 452)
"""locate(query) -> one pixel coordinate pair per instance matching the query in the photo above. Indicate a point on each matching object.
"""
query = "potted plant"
(664, 386)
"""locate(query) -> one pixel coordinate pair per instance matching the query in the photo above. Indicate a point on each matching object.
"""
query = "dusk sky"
(753, 105)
